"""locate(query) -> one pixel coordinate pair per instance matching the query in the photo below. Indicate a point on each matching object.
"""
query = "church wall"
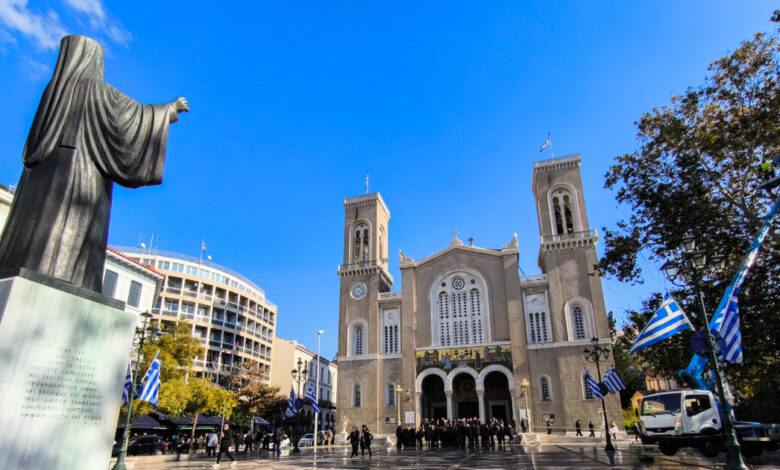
(492, 270)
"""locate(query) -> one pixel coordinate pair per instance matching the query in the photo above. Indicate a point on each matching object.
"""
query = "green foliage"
(697, 170)
(629, 420)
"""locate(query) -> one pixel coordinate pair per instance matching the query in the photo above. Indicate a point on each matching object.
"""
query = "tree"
(253, 397)
(696, 171)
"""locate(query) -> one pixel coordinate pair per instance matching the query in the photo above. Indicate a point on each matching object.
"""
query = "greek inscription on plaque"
(61, 385)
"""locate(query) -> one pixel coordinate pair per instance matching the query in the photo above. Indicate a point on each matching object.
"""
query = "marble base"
(63, 361)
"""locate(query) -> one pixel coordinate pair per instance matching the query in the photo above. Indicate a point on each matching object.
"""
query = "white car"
(307, 440)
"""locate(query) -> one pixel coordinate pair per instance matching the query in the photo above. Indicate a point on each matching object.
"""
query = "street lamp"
(317, 390)
(120, 461)
(524, 388)
(298, 376)
(694, 267)
(398, 391)
(598, 355)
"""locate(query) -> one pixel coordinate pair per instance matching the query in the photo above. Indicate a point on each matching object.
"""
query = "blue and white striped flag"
(593, 385)
(126, 390)
(612, 381)
(729, 330)
(291, 404)
(311, 396)
(666, 322)
(151, 389)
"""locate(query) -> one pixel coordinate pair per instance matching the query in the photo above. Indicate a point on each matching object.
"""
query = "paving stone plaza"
(581, 455)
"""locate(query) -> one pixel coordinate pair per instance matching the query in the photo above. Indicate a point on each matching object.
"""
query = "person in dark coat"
(354, 439)
(549, 426)
(365, 441)
(225, 443)
(419, 434)
(578, 427)
(590, 428)
(399, 436)
(428, 435)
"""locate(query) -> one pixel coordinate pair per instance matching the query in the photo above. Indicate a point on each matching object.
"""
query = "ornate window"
(587, 392)
(390, 327)
(544, 387)
(459, 310)
(578, 322)
(537, 322)
(356, 396)
(390, 395)
(360, 244)
(562, 207)
(358, 333)
(579, 319)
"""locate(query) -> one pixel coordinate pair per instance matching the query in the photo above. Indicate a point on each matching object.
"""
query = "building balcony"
(569, 240)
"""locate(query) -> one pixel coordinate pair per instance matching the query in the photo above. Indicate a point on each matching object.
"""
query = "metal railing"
(568, 236)
(363, 264)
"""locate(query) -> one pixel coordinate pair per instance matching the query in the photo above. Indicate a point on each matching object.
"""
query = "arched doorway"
(498, 399)
(464, 396)
(434, 400)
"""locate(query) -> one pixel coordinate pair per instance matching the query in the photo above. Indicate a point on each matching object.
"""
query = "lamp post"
(524, 387)
(317, 390)
(695, 265)
(398, 391)
(120, 461)
(298, 375)
(598, 355)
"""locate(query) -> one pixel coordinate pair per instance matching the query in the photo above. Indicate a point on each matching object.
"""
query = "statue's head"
(80, 57)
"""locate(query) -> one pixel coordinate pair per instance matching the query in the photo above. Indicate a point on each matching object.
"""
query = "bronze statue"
(86, 136)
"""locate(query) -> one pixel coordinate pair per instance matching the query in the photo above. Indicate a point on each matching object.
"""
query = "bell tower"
(567, 253)
(364, 275)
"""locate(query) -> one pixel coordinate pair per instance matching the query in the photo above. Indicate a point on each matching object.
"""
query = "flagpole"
(317, 391)
(120, 461)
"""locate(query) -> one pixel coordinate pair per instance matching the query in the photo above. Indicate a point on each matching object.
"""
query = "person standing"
(590, 428)
(613, 429)
(549, 426)
(225, 443)
(211, 444)
(365, 441)
(523, 424)
(278, 436)
(578, 427)
(399, 432)
(354, 439)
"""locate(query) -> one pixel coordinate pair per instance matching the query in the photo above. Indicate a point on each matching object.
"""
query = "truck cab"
(683, 418)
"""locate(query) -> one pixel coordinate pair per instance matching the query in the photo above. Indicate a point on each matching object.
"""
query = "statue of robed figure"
(86, 136)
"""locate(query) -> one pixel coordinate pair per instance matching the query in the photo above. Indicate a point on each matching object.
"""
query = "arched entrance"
(498, 400)
(434, 400)
(464, 396)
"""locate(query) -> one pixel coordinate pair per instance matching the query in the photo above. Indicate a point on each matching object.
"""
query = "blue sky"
(445, 103)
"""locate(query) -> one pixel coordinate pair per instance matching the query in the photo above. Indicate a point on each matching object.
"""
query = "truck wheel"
(710, 448)
(667, 448)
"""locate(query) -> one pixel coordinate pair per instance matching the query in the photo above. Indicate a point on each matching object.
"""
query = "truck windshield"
(659, 404)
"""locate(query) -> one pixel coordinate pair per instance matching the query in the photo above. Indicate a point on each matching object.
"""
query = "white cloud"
(99, 19)
(46, 30)
(35, 69)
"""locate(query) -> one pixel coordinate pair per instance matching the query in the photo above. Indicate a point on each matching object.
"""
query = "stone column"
(449, 403)
(481, 401)
(418, 407)
(514, 406)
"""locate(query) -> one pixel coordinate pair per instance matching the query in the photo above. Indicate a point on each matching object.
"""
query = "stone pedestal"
(63, 360)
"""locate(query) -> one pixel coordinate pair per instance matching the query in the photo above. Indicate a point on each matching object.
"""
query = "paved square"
(547, 456)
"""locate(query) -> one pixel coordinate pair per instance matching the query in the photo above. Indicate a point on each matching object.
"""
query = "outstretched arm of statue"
(179, 105)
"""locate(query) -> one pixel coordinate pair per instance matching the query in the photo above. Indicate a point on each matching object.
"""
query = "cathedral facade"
(467, 335)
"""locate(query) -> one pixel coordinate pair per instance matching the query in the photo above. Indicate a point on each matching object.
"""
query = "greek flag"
(546, 143)
(151, 388)
(612, 381)
(593, 385)
(729, 329)
(311, 396)
(666, 322)
(128, 383)
(291, 404)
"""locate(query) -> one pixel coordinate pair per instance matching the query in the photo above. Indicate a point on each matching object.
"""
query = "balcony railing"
(363, 264)
(567, 237)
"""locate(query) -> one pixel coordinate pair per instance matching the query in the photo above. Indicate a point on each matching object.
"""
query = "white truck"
(690, 418)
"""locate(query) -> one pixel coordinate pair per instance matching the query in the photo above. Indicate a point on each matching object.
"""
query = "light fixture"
(699, 258)
(688, 243)
(670, 269)
(718, 263)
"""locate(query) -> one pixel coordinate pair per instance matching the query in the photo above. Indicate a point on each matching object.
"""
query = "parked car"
(306, 440)
(142, 445)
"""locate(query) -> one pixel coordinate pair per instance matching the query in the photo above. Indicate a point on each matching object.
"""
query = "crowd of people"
(456, 433)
